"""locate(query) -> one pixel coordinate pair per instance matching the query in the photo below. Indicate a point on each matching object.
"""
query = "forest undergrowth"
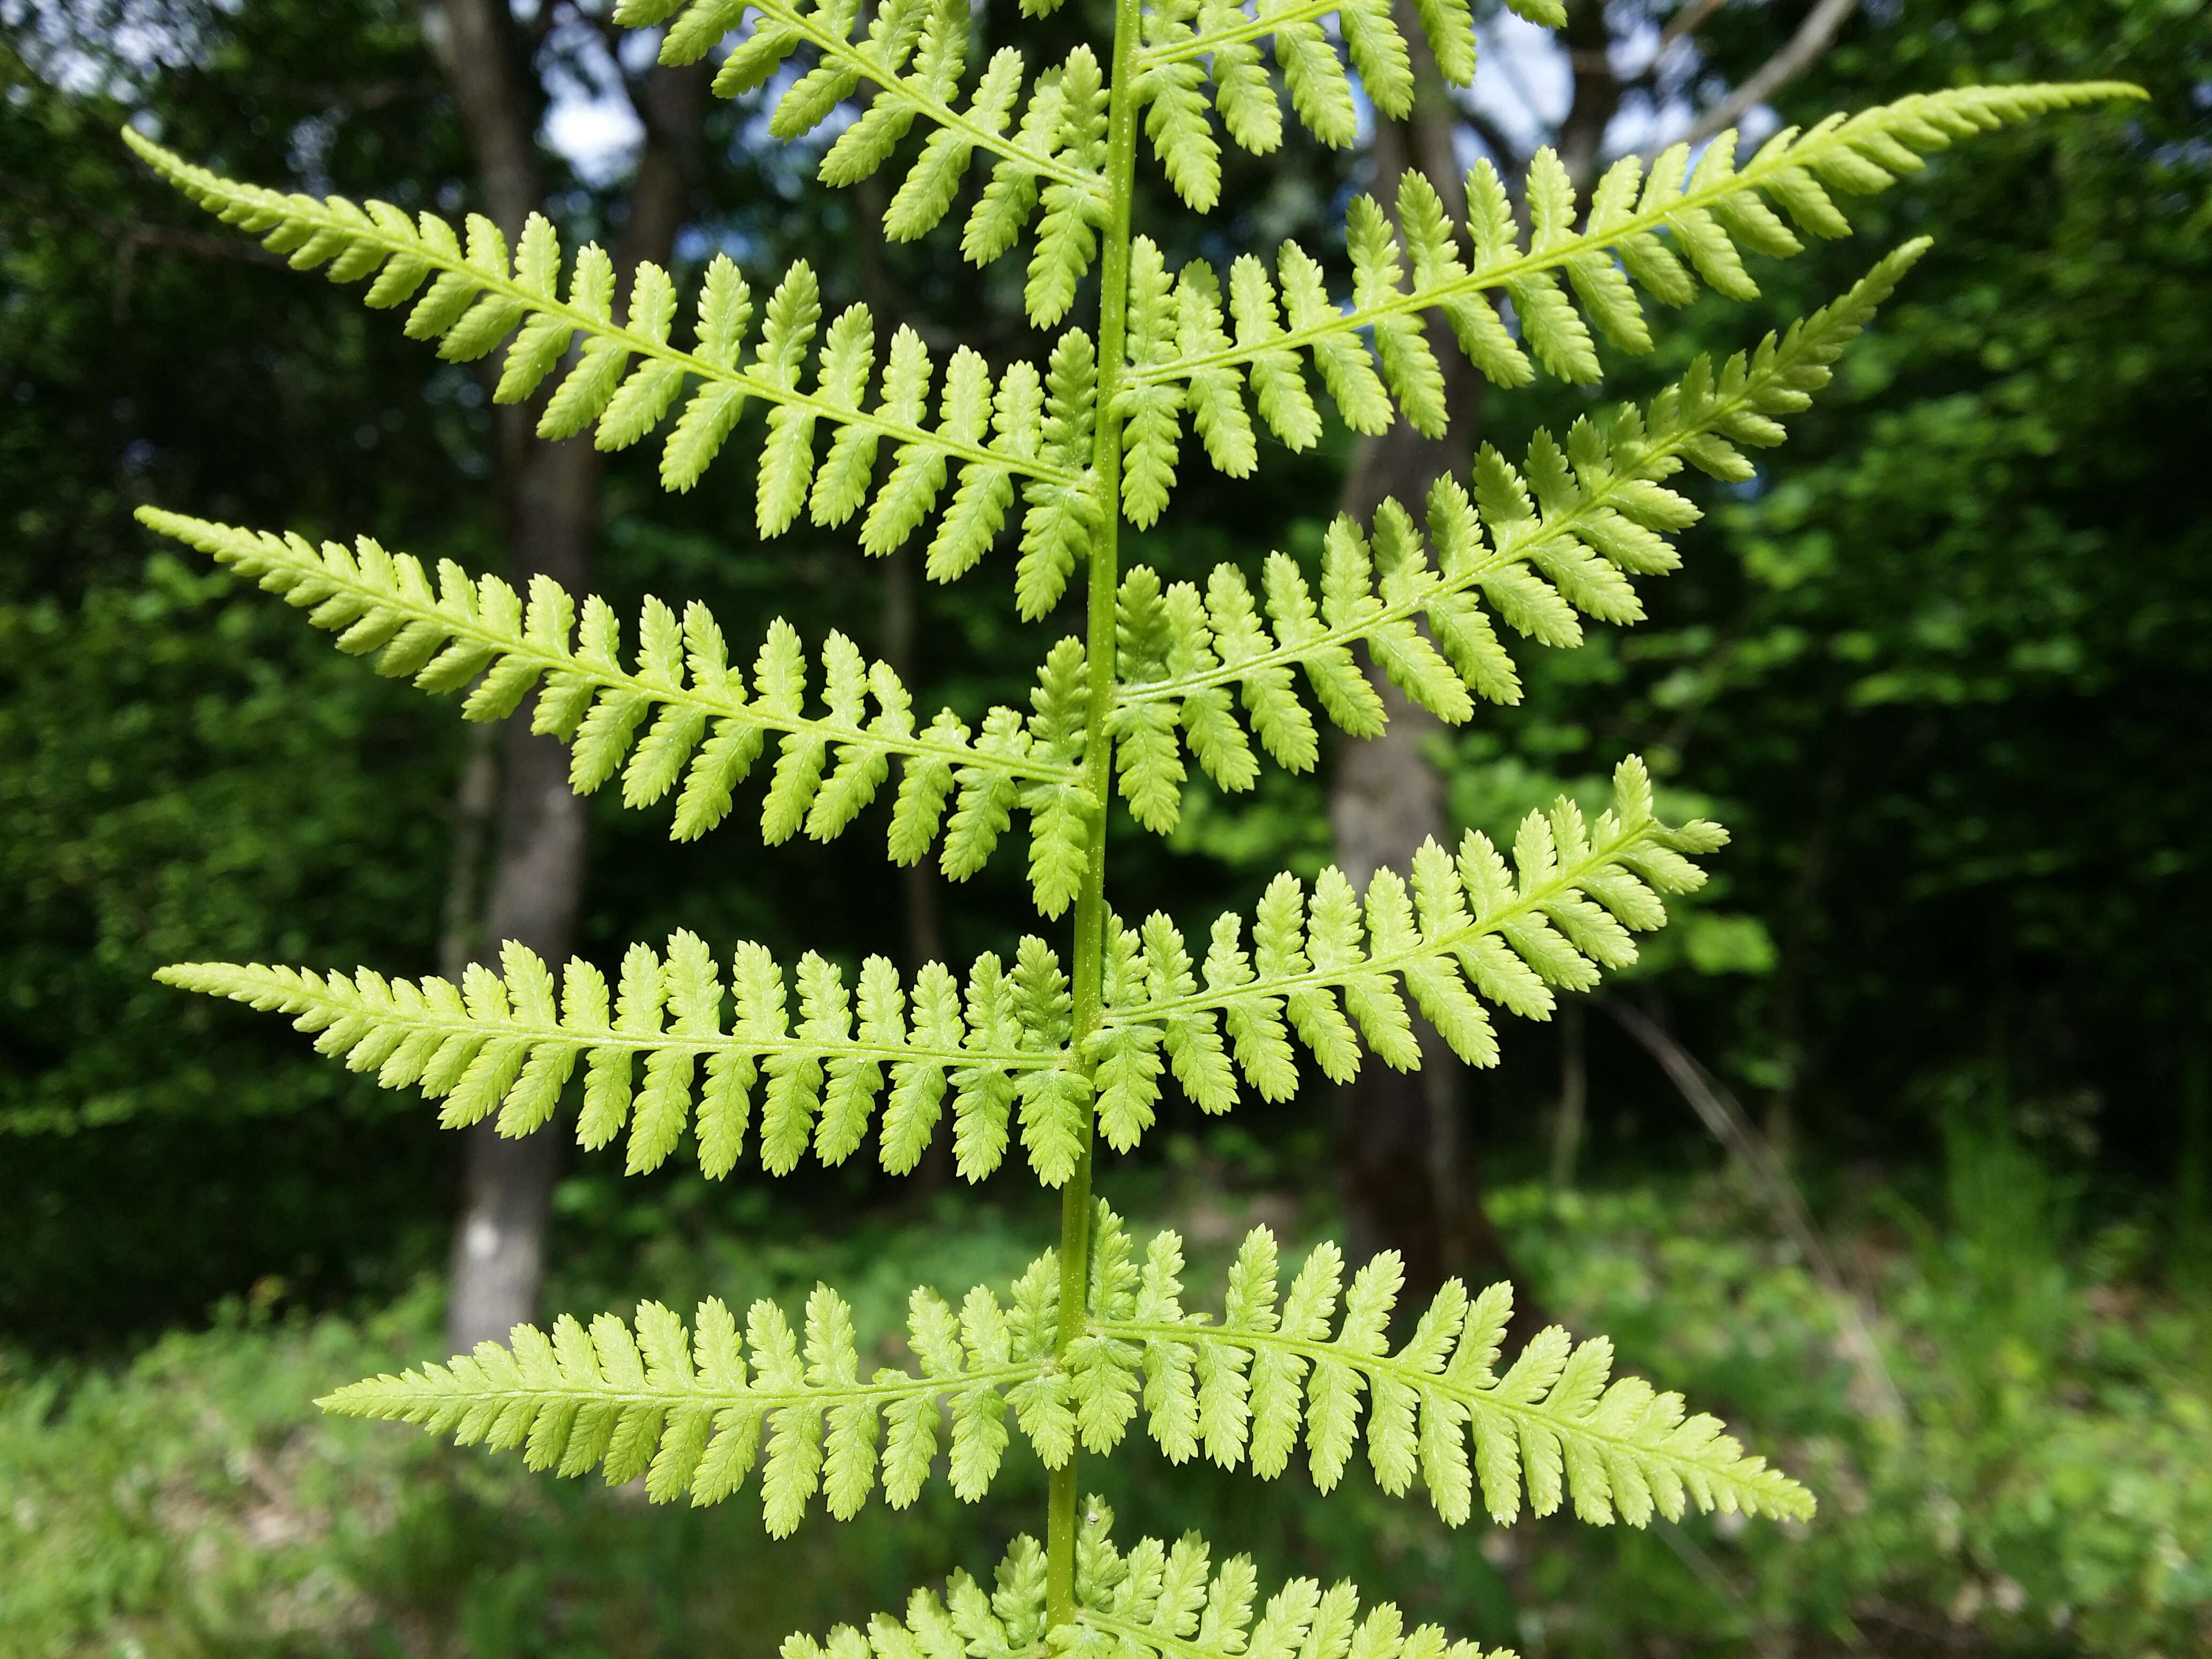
(2044, 1493)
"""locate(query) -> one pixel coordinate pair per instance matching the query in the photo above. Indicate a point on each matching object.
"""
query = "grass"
(2049, 1490)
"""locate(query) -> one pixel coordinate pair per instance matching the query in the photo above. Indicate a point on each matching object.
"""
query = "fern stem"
(1075, 1214)
(1150, 1636)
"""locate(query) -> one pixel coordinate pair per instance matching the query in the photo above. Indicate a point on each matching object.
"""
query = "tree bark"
(2192, 1172)
(550, 494)
(1596, 96)
(536, 891)
(1410, 1182)
(1574, 1094)
(1407, 1182)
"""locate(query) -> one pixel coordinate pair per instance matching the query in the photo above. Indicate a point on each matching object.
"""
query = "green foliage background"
(1943, 673)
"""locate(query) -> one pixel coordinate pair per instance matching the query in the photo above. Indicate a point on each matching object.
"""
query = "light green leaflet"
(1158, 1599)
(997, 1055)
(695, 1410)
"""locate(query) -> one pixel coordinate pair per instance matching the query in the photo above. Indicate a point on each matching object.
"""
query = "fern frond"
(509, 1043)
(987, 436)
(1006, 1621)
(1192, 46)
(1550, 1421)
(912, 57)
(1376, 349)
(694, 1412)
(873, 434)
(1540, 548)
(1474, 930)
(1157, 1599)
(683, 713)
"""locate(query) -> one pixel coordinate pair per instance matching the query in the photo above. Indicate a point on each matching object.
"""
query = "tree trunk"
(1596, 96)
(2192, 1173)
(550, 495)
(1407, 1180)
(1574, 1094)
(537, 889)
